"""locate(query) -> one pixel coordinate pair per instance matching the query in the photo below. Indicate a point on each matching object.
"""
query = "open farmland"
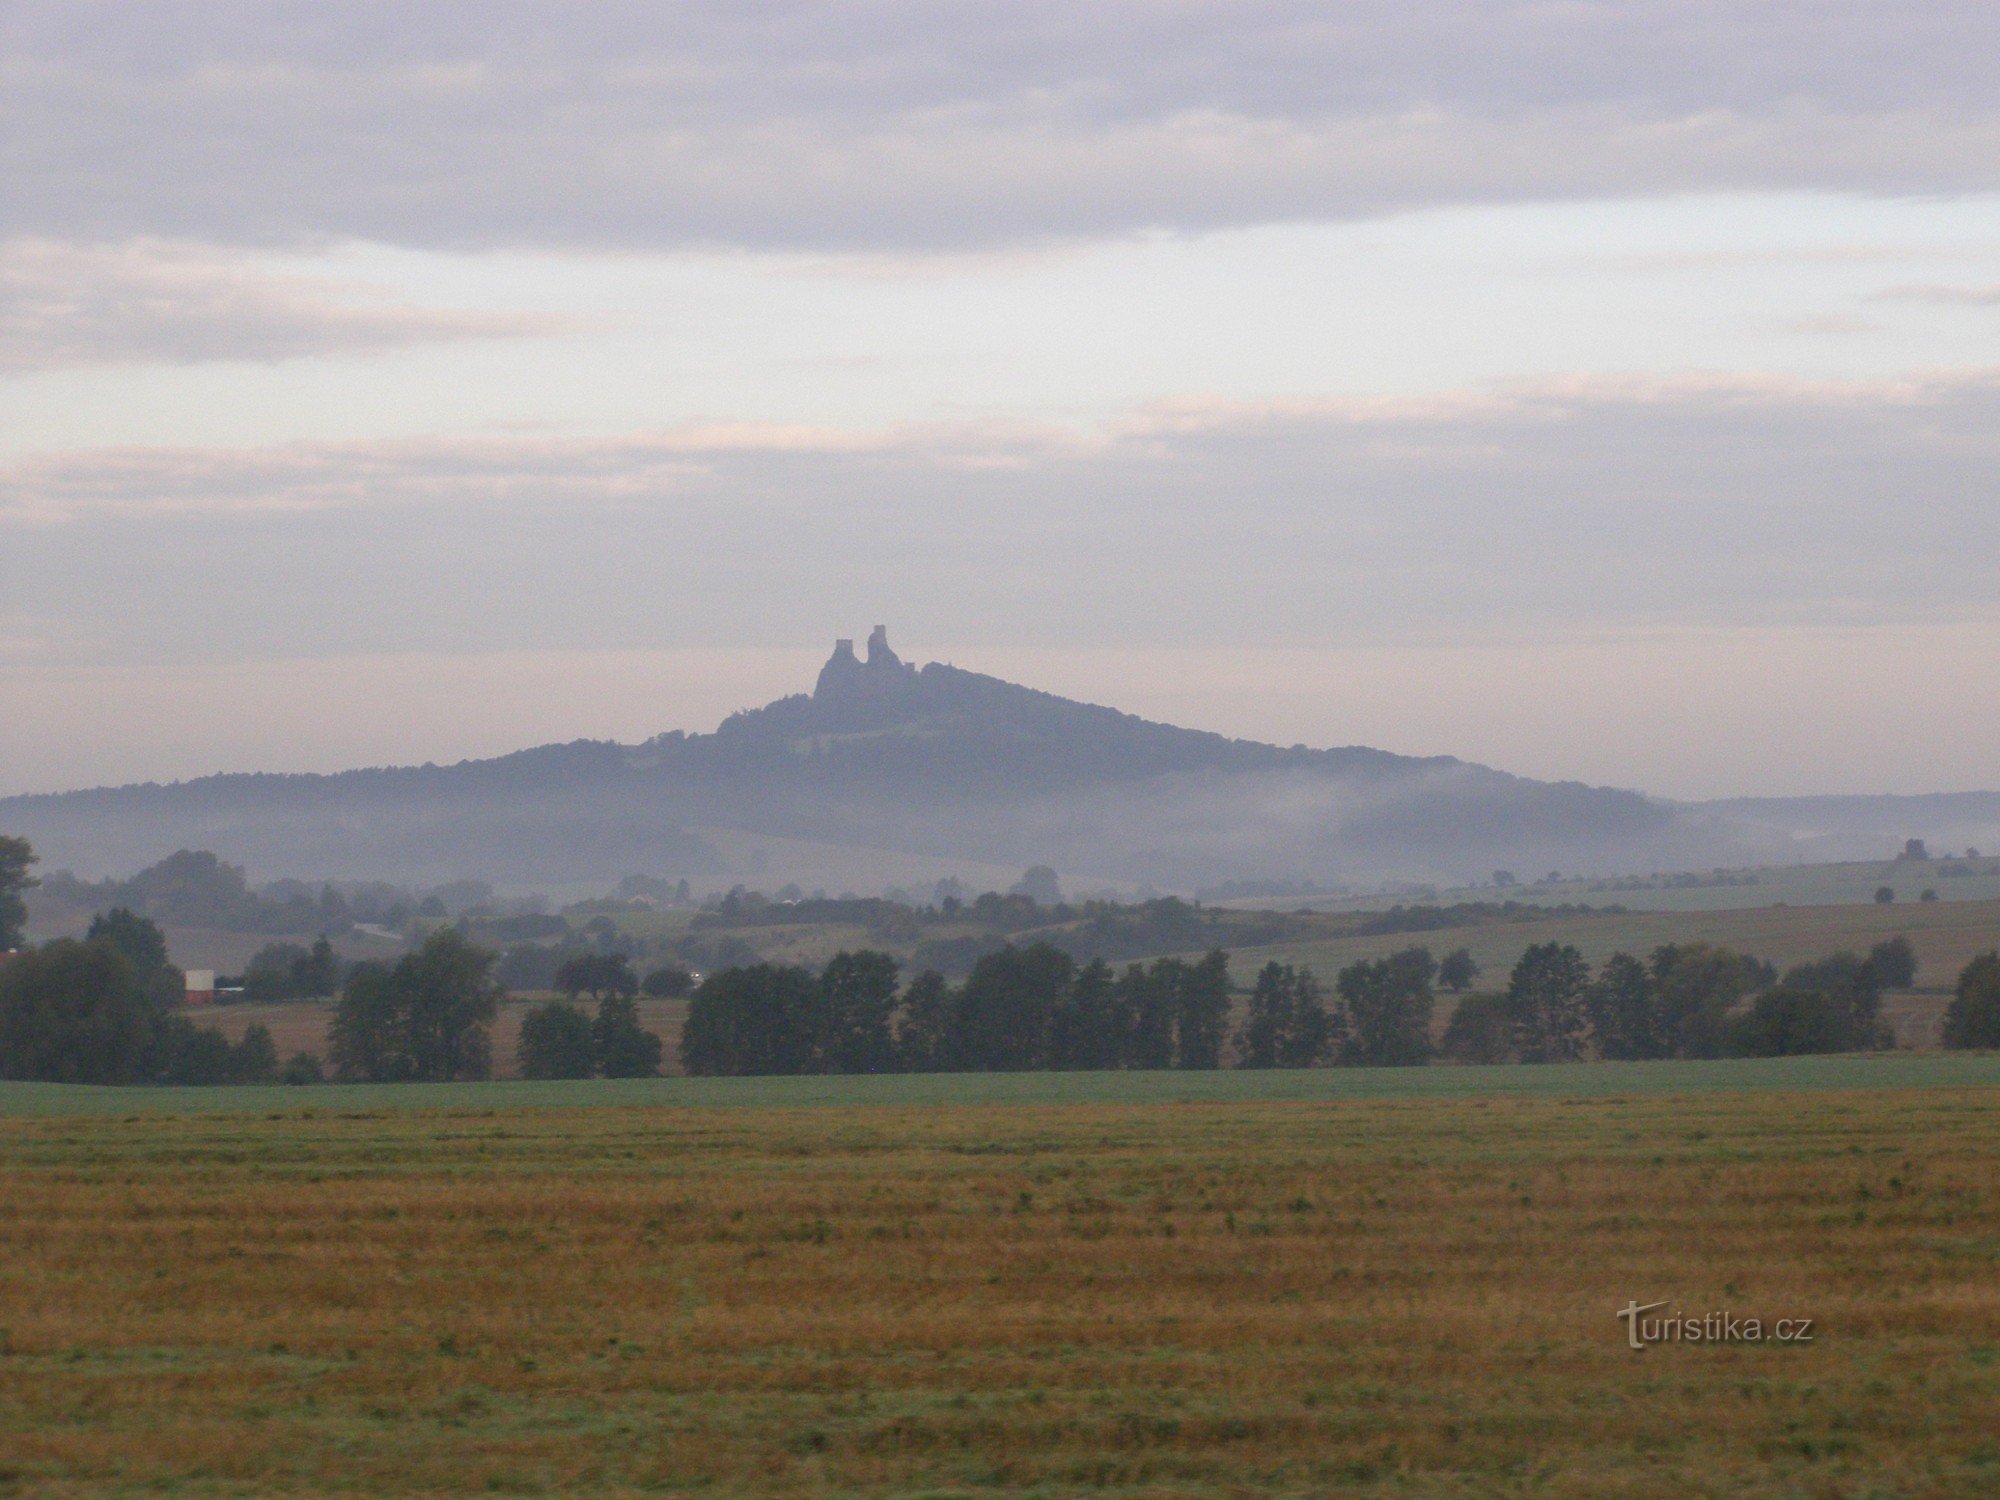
(1253, 1295)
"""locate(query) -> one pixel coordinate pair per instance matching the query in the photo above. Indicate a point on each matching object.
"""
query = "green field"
(1566, 1080)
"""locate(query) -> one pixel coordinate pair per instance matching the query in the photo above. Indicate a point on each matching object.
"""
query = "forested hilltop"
(884, 768)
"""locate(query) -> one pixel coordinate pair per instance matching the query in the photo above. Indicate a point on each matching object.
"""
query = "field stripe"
(1574, 1080)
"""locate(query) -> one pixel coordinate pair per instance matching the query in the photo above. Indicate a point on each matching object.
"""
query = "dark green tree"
(1973, 1017)
(556, 1042)
(451, 997)
(1456, 971)
(1388, 1003)
(274, 972)
(1892, 964)
(1286, 1024)
(857, 993)
(1852, 986)
(185, 1054)
(1146, 1000)
(1790, 1021)
(426, 1019)
(622, 1047)
(1482, 1029)
(140, 940)
(254, 1059)
(596, 975)
(302, 1068)
(1624, 1011)
(368, 1039)
(1201, 1012)
(755, 1019)
(17, 859)
(75, 1012)
(925, 1025)
(1084, 1032)
(319, 975)
(1698, 985)
(1006, 1008)
(1547, 992)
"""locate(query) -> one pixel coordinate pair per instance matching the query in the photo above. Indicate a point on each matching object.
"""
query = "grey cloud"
(939, 125)
(64, 304)
(1711, 501)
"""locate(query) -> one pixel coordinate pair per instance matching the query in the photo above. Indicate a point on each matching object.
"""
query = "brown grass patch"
(1248, 1299)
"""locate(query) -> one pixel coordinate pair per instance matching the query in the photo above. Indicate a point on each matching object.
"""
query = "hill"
(885, 767)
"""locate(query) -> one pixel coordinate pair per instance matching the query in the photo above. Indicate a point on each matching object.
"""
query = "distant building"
(200, 987)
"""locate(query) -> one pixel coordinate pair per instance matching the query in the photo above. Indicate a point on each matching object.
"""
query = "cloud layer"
(1594, 502)
(148, 300)
(947, 125)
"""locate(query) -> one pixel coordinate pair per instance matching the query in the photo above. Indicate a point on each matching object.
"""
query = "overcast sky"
(1607, 391)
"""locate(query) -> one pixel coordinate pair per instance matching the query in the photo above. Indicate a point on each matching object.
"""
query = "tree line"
(1034, 1007)
(103, 1010)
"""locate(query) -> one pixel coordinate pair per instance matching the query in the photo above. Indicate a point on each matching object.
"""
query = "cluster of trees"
(101, 1010)
(1034, 1007)
(558, 1040)
(1019, 1009)
(1682, 1001)
(425, 1018)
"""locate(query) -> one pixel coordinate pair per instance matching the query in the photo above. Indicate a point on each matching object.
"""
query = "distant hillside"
(882, 758)
(1872, 827)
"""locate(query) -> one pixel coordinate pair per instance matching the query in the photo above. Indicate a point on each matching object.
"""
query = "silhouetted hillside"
(879, 758)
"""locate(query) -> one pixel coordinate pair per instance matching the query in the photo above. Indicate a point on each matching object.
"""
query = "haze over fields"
(885, 771)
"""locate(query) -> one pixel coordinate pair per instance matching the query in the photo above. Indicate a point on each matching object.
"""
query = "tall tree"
(924, 1026)
(1973, 1017)
(1201, 1012)
(1623, 1007)
(623, 1048)
(857, 993)
(1547, 991)
(1085, 1032)
(1006, 1006)
(139, 939)
(1147, 999)
(1389, 1004)
(368, 1039)
(1457, 971)
(1892, 963)
(1286, 1024)
(17, 859)
(452, 997)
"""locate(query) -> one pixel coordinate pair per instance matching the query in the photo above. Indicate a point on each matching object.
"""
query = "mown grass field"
(1252, 1295)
